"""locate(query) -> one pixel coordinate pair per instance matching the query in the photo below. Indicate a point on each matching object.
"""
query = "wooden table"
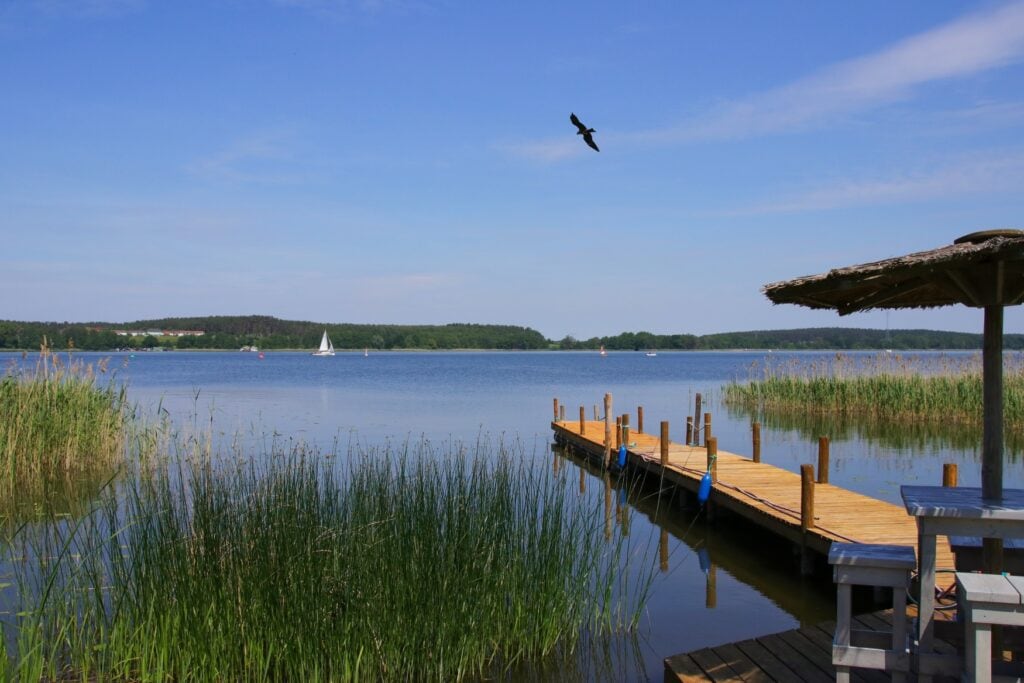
(959, 511)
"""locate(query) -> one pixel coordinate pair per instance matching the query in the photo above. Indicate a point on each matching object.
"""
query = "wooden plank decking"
(799, 655)
(766, 495)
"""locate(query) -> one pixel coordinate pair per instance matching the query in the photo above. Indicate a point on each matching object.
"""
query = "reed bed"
(58, 423)
(891, 386)
(406, 564)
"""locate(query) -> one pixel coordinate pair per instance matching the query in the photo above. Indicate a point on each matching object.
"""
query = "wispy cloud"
(545, 151)
(969, 45)
(258, 158)
(995, 173)
(404, 285)
(339, 9)
(87, 8)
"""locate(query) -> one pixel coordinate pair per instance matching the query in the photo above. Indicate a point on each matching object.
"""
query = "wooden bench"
(865, 564)
(984, 600)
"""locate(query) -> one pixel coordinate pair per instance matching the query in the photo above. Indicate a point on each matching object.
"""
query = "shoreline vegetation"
(885, 386)
(58, 424)
(194, 562)
(269, 333)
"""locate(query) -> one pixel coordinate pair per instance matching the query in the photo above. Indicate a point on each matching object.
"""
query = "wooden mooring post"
(625, 429)
(639, 419)
(707, 427)
(664, 444)
(696, 418)
(711, 446)
(583, 421)
(607, 430)
(689, 430)
(756, 446)
(823, 459)
(806, 517)
(555, 418)
(949, 474)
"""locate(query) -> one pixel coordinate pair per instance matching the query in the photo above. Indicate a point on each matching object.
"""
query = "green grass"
(410, 565)
(887, 385)
(58, 424)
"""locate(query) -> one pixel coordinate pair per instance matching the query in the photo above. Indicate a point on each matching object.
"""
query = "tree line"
(266, 332)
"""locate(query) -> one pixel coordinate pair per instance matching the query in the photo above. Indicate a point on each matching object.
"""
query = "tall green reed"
(58, 424)
(890, 386)
(394, 564)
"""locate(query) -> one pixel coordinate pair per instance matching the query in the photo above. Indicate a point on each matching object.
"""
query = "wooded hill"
(266, 332)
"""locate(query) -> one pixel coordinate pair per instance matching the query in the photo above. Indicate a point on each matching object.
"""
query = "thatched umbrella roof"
(980, 269)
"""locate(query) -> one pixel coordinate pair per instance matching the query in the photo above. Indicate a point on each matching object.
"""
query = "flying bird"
(585, 132)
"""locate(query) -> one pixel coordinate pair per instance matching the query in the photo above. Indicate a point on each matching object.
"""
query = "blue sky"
(413, 161)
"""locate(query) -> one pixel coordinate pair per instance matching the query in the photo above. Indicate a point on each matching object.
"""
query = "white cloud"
(546, 151)
(996, 173)
(258, 158)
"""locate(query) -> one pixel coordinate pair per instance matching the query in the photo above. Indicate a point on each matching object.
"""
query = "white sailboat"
(326, 347)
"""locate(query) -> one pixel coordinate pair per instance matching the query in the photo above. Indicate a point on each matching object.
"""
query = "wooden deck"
(799, 655)
(767, 496)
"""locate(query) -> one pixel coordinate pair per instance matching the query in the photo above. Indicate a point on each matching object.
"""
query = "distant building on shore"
(159, 333)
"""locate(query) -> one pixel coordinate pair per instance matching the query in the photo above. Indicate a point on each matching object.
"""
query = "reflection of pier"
(753, 562)
(791, 506)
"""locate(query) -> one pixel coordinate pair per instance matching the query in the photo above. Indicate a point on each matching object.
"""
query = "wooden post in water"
(607, 506)
(561, 413)
(707, 427)
(597, 415)
(555, 418)
(583, 421)
(806, 497)
(625, 429)
(712, 459)
(664, 444)
(757, 441)
(663, 551)
(689, 430)
(607, 430)
(949, 474)
(618, 435)
(823, 459)
(711, 588)
(696, 418)
(806, 517)
(639, 419)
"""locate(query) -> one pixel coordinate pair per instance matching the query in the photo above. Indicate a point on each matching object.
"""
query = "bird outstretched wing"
(584, 131)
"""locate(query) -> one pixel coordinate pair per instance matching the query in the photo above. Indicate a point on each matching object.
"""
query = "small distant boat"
(602, 351)
(250, 349)
(262, 356)
(651, 354)
(326, 347)
(366, 352)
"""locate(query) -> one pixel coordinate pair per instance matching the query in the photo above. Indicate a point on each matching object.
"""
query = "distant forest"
(266, 332)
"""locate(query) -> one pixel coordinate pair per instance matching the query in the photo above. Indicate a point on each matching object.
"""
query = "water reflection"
(903, 435)
(730, 580)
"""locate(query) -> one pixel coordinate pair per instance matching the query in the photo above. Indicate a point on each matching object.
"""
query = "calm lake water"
(716, 584)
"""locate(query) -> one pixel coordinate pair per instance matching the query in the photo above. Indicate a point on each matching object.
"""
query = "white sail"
(326, 347)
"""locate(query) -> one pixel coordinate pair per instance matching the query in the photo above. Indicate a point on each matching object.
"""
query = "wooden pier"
(801, 508)
(809, 514)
